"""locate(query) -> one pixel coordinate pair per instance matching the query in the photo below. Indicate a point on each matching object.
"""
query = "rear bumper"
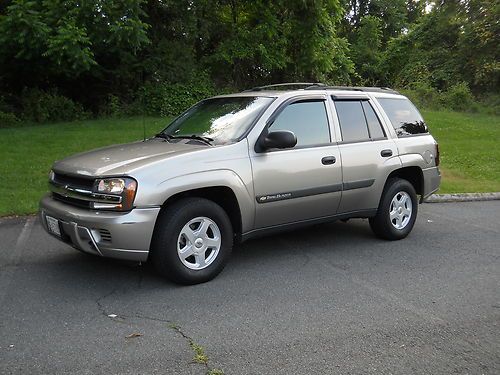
(432, 180)
(118, 235)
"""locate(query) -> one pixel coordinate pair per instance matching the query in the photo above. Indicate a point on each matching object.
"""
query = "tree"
(54, 41)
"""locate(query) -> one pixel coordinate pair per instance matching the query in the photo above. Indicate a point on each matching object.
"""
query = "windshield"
(224, 120)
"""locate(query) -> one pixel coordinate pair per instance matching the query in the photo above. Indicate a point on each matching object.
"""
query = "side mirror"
(279, 139)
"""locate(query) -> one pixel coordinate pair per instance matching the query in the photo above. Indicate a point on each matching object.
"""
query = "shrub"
(490, 104)
(167, 99)
(8, 120)
(458, 98)
(111, 107)
(41, 106)
(423, 95)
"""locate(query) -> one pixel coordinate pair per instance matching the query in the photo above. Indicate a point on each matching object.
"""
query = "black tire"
(381, 223)
(172, 219)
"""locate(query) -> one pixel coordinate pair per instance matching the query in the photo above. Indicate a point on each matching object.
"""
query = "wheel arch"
(224, 196)
(412, 174)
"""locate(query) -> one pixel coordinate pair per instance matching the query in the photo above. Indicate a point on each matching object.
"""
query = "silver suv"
(238, 166)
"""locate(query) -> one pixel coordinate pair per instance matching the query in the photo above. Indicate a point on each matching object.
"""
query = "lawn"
(470, 155)
(468, 143)
(27, 153)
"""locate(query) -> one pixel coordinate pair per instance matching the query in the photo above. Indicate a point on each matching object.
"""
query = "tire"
(400, 199)
(192, 241)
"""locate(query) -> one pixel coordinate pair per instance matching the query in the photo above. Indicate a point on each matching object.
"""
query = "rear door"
(368, 154)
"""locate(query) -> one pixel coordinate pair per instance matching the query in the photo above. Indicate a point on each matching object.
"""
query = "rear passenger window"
(374, 125)
(358, 121)
(404, 116)
(352, 121)
(307, 120)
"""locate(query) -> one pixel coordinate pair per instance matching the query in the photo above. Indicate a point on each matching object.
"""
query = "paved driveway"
(323, 300)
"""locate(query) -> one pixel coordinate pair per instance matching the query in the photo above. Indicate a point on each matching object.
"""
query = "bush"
(423, 95)
(167, 99)
(458, 98)
(111, 107)
(41, 106)
(8, 120)
(490, 104)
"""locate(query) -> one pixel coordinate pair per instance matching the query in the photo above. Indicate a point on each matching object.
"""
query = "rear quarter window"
(405, 118)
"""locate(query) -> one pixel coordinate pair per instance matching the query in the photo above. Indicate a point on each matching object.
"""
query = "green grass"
(470, 155)
(27, 153)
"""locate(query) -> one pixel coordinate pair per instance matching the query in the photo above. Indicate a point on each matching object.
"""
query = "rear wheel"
(192, 241)
(397, 211)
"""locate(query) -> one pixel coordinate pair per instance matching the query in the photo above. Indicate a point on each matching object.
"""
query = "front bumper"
(121, 235)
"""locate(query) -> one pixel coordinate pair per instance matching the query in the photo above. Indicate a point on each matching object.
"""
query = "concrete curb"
(462, 197)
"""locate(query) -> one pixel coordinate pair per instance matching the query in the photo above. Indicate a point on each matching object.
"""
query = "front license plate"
(53, 225)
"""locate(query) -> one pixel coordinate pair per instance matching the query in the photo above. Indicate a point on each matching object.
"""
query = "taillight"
(437, 154)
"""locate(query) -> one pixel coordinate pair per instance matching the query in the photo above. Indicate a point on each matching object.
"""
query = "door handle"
(328, 160)
(386, 153)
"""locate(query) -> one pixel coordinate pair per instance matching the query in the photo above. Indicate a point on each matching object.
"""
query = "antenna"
(143, 128)
(143, 109)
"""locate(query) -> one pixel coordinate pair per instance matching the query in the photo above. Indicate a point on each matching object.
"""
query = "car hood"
(122, 159)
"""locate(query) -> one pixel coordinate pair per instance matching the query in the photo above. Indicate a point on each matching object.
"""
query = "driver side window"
(307, 120)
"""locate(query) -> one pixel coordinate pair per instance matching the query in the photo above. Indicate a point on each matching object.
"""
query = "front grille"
(74, 181)
(71, 201)
(78, 191)
(105, 235)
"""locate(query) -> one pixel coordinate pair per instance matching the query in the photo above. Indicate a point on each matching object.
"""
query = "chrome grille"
(78, 191)
(71, 201)
(73, 181)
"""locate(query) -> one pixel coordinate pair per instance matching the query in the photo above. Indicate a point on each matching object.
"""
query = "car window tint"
(307, 120)
(374, 125)
(352, 121)
(404, 117)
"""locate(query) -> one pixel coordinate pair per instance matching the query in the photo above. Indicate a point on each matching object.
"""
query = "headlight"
(124, 187)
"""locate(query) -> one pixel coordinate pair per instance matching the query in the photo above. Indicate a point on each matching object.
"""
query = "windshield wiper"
(164, 136)
(169, 137)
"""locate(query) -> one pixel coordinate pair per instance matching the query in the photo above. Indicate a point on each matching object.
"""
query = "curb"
(462, 197)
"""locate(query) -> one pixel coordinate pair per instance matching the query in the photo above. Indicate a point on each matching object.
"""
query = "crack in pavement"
(199, 352)
(99, 300)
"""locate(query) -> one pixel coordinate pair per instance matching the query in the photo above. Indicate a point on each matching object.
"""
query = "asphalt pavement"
(329, 299)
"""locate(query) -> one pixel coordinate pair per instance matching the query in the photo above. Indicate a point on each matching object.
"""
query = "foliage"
(171, 99)
(456, 42)
(8, 120)
(458, 97)
(367, 49)
(40, 106)
(116, 58)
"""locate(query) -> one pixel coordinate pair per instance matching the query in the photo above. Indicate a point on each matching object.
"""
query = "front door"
(303, 182)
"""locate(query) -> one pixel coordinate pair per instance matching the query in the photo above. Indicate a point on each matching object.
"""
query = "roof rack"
(289, 86)
(357, 88)
(320, 86)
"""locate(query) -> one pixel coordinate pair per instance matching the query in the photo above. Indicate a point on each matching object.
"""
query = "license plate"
(53, 225)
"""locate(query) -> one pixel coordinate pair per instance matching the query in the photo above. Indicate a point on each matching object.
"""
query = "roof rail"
(289, 86)
(319, 86)
(357, 88)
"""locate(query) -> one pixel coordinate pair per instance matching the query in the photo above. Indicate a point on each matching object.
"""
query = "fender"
(211, 178)
(413, 160)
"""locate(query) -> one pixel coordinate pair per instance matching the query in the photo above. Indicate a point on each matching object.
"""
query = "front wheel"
(192, 241)
(397, 211)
